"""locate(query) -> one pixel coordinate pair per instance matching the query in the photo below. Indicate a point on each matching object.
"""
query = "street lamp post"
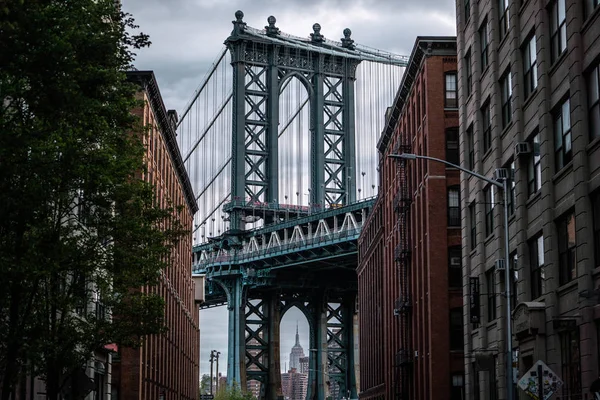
(504, 186)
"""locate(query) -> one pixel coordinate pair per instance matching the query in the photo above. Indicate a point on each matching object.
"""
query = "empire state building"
(297, 353)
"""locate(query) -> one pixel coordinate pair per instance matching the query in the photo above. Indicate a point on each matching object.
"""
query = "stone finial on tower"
(346, 41)
(238, 25)
(272, 30)
(316, 36)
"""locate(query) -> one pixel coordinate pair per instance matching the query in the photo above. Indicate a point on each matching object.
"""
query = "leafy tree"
(233, 393)
(77, 222)
(205, 384)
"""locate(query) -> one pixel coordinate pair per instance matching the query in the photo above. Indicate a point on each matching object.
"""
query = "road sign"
(206, 397)
(529, 382)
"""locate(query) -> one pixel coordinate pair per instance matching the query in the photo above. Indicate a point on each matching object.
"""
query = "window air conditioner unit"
(522, 148)
(455, 261)
(500, 265)
(501, 174)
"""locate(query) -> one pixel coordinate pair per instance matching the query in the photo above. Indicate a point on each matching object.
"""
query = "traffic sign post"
(540, 376)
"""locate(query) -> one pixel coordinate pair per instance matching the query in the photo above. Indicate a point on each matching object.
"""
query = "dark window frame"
(490, 281)
(558, 30)
(506, 97)
(593, 84)
(484, 44)
(534, 168)
(570, 357)
(514, 269)
(456, 329)
(455, 268)
(563, 151)
(503, 17)
(449, 91)
(469, 72)
(471, 147)
(511, 168)
(536, 262)
(590, 7)
(454, 217)
(467, 7)
(567, 246)
(473, 225)
(486, 119)
(530, 76)
(452, 146)
(489, 198)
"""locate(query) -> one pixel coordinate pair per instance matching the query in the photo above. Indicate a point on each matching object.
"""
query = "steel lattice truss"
(335, 160)
(257, 340)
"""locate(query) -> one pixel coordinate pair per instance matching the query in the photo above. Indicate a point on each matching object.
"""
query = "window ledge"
(590, 20)
(486, 154)
(593, 145)
(507, 128)
(533, 198)
(523, 5)
(470, 94)
(473, 252)
(558, 62)
(504, 39)
(488, 239)
(530, 98)
(453, 227)
(567, 287)
(450, 108)
(491, 324)
(563, 171)
(487, 68)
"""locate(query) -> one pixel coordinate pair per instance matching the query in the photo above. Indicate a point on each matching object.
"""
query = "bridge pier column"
(236, 361)
(349, 321)
(274, 391)
(318, 376)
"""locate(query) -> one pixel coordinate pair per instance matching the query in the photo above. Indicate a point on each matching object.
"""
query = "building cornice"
(425, 46)
(147, 81)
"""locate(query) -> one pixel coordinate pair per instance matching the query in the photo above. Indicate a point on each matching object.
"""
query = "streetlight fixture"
(507, 284)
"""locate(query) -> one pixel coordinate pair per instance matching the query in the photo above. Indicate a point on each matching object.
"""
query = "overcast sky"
(187, 36)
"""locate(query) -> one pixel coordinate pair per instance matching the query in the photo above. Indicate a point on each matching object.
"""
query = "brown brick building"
(166, 366)
(529, 103)
(410, 297)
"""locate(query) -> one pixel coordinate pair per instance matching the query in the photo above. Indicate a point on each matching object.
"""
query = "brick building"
(409, 273)
(166, 366)
(529, 103)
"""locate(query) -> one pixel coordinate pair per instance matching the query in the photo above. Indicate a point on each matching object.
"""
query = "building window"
(511, 187)
(570, 360)
(452, 151)
(487, 127)
(506, 98)
(454, 267)
(490, 279)
(562, 135)
(468, 73)
(514, 272)
(471, 145)
(594, 102)
(488, 194)
(476, 386)
(467, 10)
(473, 225)
(596, 212)
(534, 169)
(558, 29)
(536, 260)
(451, 99)
(566, 248)
(590, 6)
(504, 18)
(457, 388)
(456, 329)
(530, 66)
(454, 206)
(492, 378)
(483, 40)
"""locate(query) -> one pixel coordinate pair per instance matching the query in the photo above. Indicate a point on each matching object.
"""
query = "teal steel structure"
(302, 256)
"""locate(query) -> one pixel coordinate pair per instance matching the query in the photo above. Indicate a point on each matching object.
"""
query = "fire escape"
(402, 202)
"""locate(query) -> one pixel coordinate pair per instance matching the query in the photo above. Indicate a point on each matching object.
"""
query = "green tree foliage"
(233, 393)
(205, 384)
(77, 224)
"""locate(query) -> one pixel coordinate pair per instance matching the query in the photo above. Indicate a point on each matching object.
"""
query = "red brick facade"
(404, 293)
(166, 366)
